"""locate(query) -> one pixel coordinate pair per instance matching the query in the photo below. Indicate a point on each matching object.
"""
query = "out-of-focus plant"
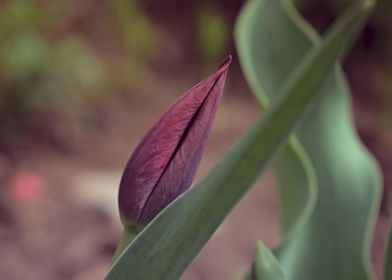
(54, 68)
(213, 33)
(369, 67)
(43, 76)
(265, 266)
(138, 35)
(134, 26)
(388, 257)
(328, 183)
(346, 176)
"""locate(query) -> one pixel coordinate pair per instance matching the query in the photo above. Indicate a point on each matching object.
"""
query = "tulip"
(164, 163)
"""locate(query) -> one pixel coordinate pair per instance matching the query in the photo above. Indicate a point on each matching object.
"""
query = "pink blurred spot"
(26, 186)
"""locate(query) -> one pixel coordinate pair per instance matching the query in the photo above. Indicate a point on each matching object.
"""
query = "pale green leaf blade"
(297, 186)
(169, 243)
(334, 242)
(265, 266)
(260, 27)
(388, 257)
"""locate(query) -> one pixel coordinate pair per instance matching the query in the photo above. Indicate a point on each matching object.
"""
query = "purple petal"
(164, 163)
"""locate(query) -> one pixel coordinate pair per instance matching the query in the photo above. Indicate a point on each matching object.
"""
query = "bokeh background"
(82, 81)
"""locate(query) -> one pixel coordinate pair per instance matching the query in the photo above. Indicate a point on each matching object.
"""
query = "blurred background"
(82, 81)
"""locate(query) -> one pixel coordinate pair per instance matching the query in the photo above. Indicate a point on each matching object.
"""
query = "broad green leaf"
(166, 246)
(265, 266)
(333, 242)
(256, 30)
(297, 185)
(388, 257)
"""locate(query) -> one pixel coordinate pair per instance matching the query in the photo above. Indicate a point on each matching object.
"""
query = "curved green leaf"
(167, 245)
(265, 266)
(255, 37)
(333, 242)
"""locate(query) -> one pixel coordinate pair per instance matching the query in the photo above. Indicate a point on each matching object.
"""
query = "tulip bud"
(164, 163)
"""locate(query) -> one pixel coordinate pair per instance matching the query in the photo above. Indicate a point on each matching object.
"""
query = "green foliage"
(166, 246)
(38, 73)
(38, 77)
(52, 63)
(265, 266)
(18, 16)
(331, 239)
(134, 24)
(388, 257)
(212, 33)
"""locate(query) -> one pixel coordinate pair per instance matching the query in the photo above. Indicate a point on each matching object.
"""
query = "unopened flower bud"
(164, 163)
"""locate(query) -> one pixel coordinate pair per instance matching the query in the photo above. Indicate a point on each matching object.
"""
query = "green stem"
(388, 256)
(128, 234)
